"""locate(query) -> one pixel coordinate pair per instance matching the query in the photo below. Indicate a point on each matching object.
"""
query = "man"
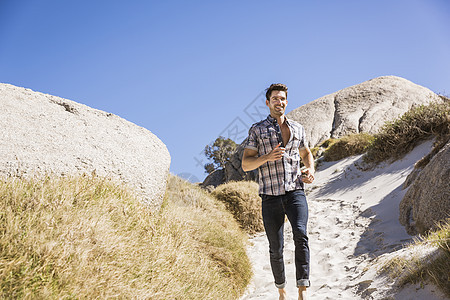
(275, 146)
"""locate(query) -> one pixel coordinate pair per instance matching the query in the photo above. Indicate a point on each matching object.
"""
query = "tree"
(219, 153)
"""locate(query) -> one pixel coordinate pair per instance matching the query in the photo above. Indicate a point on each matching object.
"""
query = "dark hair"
(275, 87)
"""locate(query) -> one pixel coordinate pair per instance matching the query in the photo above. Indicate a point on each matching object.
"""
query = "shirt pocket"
(268, 141)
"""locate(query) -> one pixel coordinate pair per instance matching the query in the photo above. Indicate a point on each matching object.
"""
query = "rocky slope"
(427, 201)
(364, 107)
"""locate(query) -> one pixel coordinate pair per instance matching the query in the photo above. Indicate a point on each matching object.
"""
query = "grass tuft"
(429, 268)
(243, 201)
(88, 237)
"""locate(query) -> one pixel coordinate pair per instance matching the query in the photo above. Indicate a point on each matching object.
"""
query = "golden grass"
(87, 237)
(244, 202)
(433, 268)
(346, 146)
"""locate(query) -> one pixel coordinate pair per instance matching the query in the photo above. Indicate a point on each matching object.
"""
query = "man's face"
(277, 103)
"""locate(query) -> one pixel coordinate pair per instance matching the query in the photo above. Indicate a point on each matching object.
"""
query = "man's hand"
(308, 160)
(251, 160)
(276, 153)
(308, 175)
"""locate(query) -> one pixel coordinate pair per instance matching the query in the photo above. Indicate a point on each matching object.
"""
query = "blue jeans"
(274, 208)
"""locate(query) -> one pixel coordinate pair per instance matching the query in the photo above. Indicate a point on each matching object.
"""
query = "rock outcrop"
(214, 179)
(427, 201)
(232, 171)
(363, 107)
(42, 134)
(233, 168)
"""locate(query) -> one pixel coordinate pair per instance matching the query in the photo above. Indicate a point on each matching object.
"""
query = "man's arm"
(308, 161)
(251, 160)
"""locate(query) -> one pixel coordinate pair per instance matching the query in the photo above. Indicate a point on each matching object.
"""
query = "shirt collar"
(271, 119)
(274, 121)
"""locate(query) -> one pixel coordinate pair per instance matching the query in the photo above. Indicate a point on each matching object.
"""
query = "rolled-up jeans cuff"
(303, 282)
(281, 286)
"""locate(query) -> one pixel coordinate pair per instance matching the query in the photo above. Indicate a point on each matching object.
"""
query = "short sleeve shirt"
(277, 177)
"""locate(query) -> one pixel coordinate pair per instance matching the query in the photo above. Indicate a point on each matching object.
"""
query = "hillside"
(92, 238)
(81, 228)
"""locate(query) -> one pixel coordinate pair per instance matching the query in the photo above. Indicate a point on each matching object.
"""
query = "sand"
(353, 226)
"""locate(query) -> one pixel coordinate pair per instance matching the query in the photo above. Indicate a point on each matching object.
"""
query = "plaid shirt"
(277, 177)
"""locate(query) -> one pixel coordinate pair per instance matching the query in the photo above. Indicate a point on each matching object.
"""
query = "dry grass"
(432, 268)
(319, 150)
(90, 238)
(418, 124)
(396, 138)
(337, 149)
(242, 199)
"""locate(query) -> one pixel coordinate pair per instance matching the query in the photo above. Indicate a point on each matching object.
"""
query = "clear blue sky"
(189, 70)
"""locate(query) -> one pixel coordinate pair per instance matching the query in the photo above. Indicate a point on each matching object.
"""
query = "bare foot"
(302, 293)
(283, 295)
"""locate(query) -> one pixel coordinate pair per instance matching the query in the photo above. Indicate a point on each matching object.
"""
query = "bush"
(399, 137)
(319, 150)
(347, 146)
(87, 237)
(242, 200)
(327, 143)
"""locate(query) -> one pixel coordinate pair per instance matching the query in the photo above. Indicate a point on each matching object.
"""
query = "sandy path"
(353, 218)
(332, 259)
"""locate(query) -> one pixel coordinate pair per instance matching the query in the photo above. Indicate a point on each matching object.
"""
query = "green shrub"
(347, 146)
(418, 124)
(318, 150)
(327, 143)
(242, 200)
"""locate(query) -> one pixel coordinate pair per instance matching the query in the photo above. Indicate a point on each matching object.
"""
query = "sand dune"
(353, 220)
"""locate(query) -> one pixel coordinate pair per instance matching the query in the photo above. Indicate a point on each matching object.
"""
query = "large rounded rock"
(360, 108)
(43, 134)
(427, 201)
(317, 118)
